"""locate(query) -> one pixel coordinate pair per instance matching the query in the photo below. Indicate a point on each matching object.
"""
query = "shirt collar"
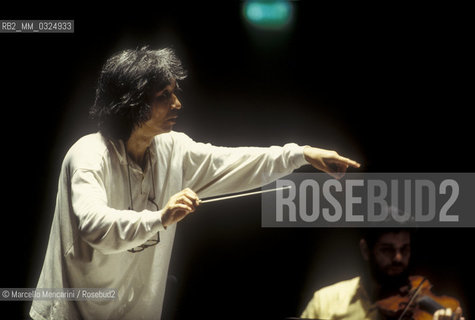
(119, 149)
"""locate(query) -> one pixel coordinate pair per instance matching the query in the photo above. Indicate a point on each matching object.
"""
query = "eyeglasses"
(149, 242)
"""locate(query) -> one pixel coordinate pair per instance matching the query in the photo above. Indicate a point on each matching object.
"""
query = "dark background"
(390, 87)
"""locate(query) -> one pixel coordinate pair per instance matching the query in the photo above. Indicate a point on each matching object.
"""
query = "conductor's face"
(165, 106)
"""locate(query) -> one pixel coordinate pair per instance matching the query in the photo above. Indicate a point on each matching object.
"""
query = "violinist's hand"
(446, 314)
(328, 161)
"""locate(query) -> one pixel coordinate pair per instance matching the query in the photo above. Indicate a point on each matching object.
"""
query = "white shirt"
(93, 226)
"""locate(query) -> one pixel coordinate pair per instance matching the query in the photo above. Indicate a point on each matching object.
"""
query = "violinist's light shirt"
(345, 300)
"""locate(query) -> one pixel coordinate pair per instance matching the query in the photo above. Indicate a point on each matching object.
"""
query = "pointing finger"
(349, 162)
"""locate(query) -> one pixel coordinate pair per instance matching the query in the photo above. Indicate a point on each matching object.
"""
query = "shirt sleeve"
(104, 228)
(210, 170)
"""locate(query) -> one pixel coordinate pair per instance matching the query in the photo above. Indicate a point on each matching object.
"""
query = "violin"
(416, 302)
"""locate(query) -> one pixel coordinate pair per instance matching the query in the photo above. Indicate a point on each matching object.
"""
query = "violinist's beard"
(388, 282)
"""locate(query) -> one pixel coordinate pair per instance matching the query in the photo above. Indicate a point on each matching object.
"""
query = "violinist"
(384, 289)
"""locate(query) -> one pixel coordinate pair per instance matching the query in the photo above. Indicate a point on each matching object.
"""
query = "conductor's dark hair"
(127, 84)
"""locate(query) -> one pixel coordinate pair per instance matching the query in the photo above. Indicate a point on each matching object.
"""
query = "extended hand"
(179, 206)
(328, 161)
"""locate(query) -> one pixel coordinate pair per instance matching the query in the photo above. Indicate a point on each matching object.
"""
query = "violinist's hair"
(126, 85)
(372, 235)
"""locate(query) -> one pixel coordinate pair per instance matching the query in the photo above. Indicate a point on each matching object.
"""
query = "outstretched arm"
(212, 171)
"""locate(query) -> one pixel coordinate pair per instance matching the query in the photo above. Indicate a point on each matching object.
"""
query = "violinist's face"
(391, 253)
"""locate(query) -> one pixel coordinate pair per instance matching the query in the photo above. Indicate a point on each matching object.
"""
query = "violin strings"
(411, 301)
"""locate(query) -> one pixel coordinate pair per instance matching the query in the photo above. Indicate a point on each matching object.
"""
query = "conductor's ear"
(364, 249)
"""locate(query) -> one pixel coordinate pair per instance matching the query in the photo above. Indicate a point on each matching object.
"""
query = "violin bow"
(411, 301)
